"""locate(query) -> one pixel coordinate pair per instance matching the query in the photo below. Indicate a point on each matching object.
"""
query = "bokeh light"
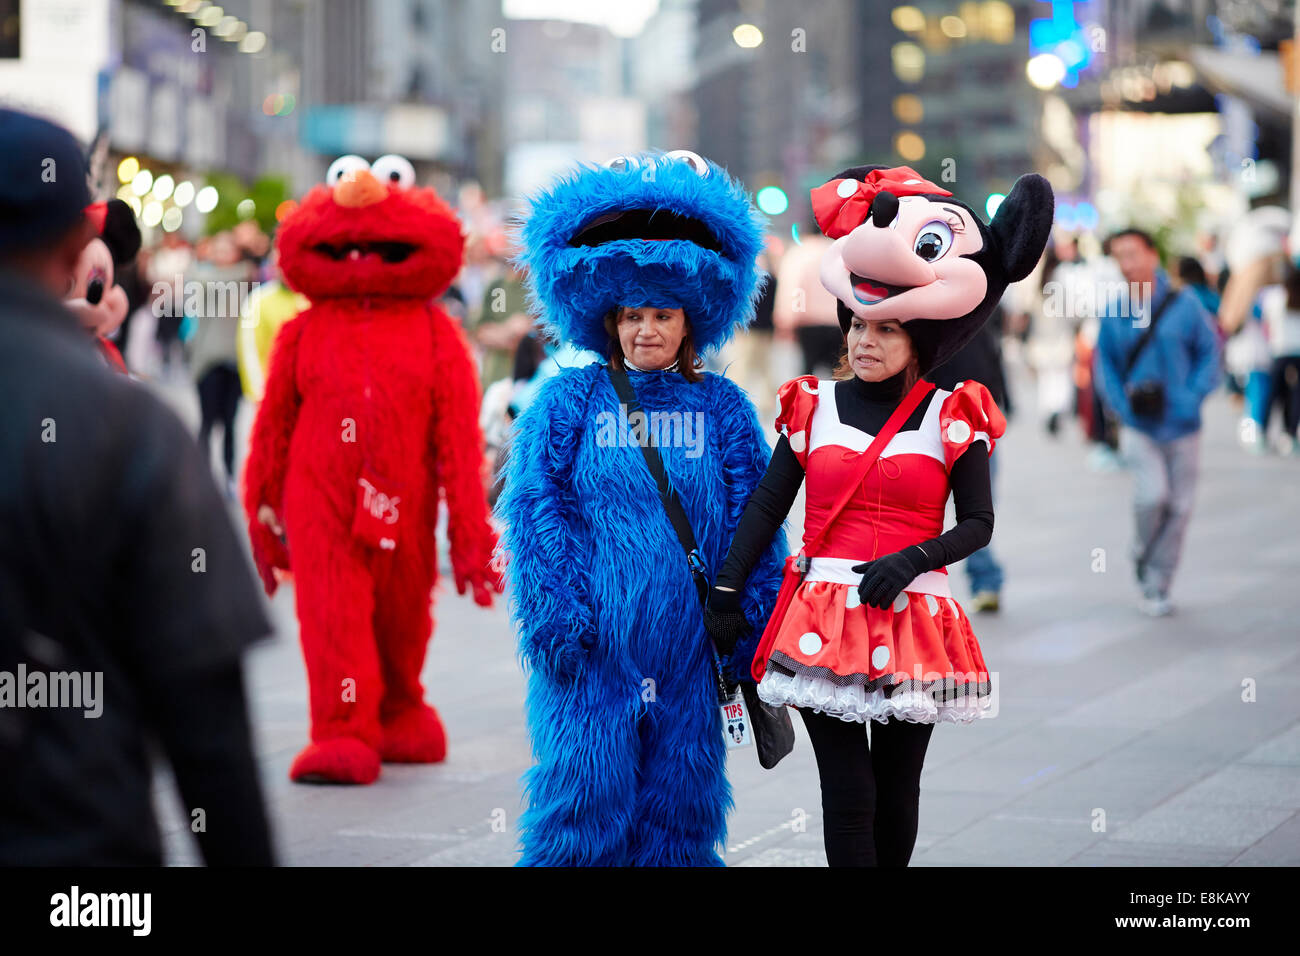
(909, 145)
(772, 200)
(163, 187)
(142, 182)
(908, 19)
(206, 200)
(153, 213)
(908, 109)
(1045, 70)
(909, 62)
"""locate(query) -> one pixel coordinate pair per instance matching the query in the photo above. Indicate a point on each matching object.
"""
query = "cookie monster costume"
(622, 697)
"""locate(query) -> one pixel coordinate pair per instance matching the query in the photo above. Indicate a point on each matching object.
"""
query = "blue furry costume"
(622, 700)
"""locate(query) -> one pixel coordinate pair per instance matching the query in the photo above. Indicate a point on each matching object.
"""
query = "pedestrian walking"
(1279, 307)
(1158, 359)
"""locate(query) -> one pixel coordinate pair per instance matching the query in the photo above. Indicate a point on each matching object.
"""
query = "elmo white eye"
(342, 166)
(934, 239)
(620, 164)
(394, 169)
(694, 160)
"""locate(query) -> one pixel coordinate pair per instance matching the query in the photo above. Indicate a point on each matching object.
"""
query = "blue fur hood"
(667, 230)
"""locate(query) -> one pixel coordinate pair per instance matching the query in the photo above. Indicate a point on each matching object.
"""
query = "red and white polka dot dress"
(917, 660)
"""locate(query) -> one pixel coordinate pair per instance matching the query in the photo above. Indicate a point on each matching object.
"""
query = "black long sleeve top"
(866, 406)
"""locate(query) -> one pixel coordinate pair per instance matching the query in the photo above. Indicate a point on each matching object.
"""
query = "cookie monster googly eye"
(694, 160)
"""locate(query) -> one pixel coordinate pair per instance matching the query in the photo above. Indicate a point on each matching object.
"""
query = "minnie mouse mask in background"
(97, 301)
(904, 249)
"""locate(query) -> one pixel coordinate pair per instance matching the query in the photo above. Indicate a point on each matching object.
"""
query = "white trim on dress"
(840, 571)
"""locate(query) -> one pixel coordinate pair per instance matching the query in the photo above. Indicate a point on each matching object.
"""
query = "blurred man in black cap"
(125, 598)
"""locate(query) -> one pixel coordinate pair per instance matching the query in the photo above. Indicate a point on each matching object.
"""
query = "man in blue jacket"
(1157, 393)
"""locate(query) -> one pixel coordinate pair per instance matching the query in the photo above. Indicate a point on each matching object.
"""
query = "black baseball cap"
(43, 189)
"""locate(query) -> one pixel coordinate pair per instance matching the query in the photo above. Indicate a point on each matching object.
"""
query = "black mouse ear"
(1022, 224)
(121, 234)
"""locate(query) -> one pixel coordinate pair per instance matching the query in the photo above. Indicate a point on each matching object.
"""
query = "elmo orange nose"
(359, 188)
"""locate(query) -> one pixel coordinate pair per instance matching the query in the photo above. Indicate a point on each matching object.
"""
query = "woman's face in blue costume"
(878, 349)
(650, 337)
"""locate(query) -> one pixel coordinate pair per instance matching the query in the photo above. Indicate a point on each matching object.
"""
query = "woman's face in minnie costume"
(650, 337)
(878, 350)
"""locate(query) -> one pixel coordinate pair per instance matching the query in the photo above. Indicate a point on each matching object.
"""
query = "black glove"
(725, 621)
(884, 578)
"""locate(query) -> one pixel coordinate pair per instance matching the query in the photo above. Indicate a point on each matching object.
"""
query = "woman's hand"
(884, 578)
(266, 515)
(724, 620)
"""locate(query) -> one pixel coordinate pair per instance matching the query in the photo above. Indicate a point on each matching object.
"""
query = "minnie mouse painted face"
(98, 303)
(905, 249)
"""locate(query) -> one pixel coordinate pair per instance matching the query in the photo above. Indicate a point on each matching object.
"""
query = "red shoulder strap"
(892, 425)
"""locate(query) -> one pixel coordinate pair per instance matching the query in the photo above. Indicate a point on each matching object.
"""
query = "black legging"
(871, 790)
(1284, 390)
(219, 393)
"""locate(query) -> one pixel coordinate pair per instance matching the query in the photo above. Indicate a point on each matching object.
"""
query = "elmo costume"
(370, 410)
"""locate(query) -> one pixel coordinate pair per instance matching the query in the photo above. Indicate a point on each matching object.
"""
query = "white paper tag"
(735, 723)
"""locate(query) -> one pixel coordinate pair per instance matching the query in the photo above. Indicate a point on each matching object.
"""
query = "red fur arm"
(458, 451)
(268, 454)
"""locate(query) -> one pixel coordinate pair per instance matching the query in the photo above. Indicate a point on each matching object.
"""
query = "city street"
(1120, 740)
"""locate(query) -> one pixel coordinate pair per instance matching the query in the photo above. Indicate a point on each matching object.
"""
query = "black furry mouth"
(653, 225)
(869, 291)
(351, 251)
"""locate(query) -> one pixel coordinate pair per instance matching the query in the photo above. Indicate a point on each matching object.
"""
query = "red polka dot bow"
(841, 205)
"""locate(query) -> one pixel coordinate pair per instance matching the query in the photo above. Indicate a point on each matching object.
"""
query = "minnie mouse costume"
(98, 302)
(873, 631)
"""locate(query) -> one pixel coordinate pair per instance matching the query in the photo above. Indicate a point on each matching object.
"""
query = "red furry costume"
(372, 384)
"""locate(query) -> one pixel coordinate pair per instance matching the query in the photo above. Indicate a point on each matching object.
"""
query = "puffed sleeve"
(796, 401)
(969, 415)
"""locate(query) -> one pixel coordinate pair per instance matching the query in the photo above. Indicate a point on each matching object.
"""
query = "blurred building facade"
(937, 84)
(569, 96)
(198, 92)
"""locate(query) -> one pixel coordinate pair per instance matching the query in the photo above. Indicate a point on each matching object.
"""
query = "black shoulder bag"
(771, 727)
(1147, 399)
